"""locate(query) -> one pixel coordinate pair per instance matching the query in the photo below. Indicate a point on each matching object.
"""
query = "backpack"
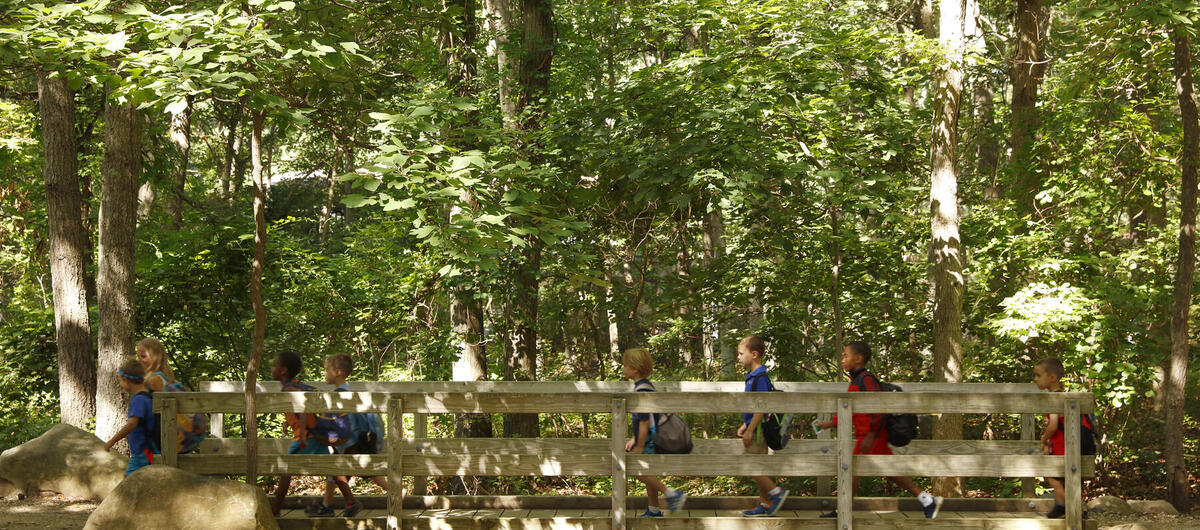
(309, 419)
(153, 434)
(901, 428)
(775, 426)
(366, 434)
(670, 434)
(335, 426)
(1087, 433)
(193, 428)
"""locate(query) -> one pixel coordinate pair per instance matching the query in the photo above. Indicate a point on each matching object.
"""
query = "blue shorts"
(138, 461)
(313, 447)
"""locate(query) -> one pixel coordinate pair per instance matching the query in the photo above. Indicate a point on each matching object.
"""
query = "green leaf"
(355, 200)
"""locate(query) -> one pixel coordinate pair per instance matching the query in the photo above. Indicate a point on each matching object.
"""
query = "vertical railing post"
(395, 476)
(420, 430)
(617, 444)
(1072, 476)
(1028, 433)
(169, 432)
(824, 484)
(845, 464)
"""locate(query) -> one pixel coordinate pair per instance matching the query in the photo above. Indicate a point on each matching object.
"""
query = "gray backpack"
(669, 432)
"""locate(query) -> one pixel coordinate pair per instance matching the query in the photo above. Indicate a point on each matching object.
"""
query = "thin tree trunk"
(256, 298)
(835, 286)
(1178, 485)
(525, 298)
(72, 327)
(500, 22)
(114, 284)
(330, 191)
(987, 154)
(235, 116)
(181, 138)
(946, 248)
(714, 251)
(1028, 68)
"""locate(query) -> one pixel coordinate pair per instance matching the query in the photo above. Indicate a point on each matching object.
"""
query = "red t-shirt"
(863, 381)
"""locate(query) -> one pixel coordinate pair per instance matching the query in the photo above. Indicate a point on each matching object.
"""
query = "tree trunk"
(72, 327)
(1028, 68)
(114, 284)
(1178, 485)
(181, 138)
(500, 22)
(235, 116)
(835, 286)
(256, 298)
(330, 192)
(534, 73)
(946, 248)
(987, 154)
(714, 251)
(524, 359)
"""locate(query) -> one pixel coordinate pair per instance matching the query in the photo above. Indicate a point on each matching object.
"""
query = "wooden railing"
(418, 456)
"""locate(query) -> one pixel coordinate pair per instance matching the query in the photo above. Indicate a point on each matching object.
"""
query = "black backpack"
(901, 428)
(775, 426)
(1087, 433)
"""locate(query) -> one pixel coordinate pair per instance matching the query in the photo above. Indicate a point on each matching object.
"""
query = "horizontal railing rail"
(418, 456)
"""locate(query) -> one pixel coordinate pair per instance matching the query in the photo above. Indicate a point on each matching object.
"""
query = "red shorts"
(879, 447)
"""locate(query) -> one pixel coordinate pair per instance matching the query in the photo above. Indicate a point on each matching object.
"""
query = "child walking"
(1048, 374)
(869, 428)
(636, 366)
(159, 377)
(141, 424)
(750, 356)
(337, 370)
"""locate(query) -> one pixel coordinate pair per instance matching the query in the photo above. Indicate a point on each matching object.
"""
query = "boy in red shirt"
(1048, 374)
(869, 428)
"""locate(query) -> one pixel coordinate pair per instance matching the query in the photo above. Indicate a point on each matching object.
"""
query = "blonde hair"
(158, 358)
(639, 360)
(341, 363)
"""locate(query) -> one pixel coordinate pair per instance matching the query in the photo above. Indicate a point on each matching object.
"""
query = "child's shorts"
(878, 447)
(758, 444)
(139, 460)
(313, 447)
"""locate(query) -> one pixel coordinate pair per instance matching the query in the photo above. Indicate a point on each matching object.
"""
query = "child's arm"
(749, 429)
(642, 435)
(121, 434)
(1051, 429)
(155, 382)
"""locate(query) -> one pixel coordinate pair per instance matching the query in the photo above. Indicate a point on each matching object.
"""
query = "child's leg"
(382, 482)
(765, 485)
(654, 486)
(344, 486)
(328, 499)
(1060, 494)
(281, 491)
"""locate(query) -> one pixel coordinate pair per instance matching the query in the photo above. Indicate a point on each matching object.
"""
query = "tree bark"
(1178, 485)
(714, 251)
(226, 174)
(256, 298)
(68, 244)
(114, 284)
(181, 138)
(946, 248)
(330, 192)
(538, 52)
(1029, 67)
(500, 23)
(524, 359)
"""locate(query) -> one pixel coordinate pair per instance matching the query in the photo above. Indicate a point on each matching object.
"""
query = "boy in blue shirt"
(750, 356)
(141, 424)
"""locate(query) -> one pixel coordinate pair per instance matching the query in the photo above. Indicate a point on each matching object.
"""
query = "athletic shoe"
(352, 510)
(931, 511)
(777, 501)
(829, 515)
(1058, 512)
(675, 503)
(649, 513)
(319, 510)
(757, 511)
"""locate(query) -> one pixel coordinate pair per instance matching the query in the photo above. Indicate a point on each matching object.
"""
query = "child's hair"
(291, 361)
(341, 363)
(861, 349)
(639, 360)
(1052, 366)
(133, 370)
(158, 357)
(755, 343)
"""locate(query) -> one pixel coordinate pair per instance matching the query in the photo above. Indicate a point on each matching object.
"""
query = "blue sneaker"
(777, 501)
(757, 511)
(650, 513)
(931, 511)
(675, 503)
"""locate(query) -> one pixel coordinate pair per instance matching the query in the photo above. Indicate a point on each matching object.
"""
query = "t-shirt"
(756, 381)
(298, 423)
(142, 408)
(862, 380)
(643, 385)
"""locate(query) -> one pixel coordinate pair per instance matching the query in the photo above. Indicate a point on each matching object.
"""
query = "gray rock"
(1153, 506)
(7, 490)
(1109, 504)
(66, 460)
(164, 497)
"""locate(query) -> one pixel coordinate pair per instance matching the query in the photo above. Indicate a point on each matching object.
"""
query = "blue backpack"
(332, 425)
(364, 432)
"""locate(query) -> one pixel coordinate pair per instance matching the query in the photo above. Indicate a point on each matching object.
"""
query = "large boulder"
(1153, 506)
(1109, 504)
(164, 497)
(66, 460)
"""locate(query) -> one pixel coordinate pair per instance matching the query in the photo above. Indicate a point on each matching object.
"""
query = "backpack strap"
(754, 385)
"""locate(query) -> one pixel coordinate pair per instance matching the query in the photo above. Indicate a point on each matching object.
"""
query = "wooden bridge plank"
(571, 387)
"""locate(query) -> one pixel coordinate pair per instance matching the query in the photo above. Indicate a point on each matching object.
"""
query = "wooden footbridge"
(418, 456)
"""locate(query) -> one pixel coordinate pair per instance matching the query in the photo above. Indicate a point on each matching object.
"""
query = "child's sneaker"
(931, 511)
(829, 515)
(675, 503)
(352, 510)
(757, 511)
(651, 513)
(777, 501)
(1058, 512)
(318, 509)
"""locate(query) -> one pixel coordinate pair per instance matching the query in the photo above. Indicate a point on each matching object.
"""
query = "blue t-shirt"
(643, 385)
(756, 381)
(141, 407)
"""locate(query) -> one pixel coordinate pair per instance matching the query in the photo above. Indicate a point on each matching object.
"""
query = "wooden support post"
(617, 443)
(1029, 432)
(216, 425)
(845, 464)
(1072, 478)
(395, 477)
(169, 437)
(825, 484)
(420, 430)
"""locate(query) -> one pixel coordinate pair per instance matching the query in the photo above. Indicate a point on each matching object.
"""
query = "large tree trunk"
(181, 138)
(1028, 68)
(68, 243)
(946, 248)
(114, 284)
(256, 298)
(524, 359)
(1178, 485)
